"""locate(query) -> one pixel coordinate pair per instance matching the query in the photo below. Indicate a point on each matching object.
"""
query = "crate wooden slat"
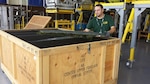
(38, 22)
(94, 62)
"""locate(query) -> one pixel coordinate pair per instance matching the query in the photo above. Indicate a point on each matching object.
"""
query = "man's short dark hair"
(100, 5)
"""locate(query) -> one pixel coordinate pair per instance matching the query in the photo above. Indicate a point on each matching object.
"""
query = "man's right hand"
(86, 30)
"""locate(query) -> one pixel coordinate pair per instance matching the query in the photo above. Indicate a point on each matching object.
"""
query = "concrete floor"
(139, 74)
(3, 78)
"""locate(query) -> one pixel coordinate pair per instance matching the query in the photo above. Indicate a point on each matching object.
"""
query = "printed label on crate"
(25, 67)
(81, 71)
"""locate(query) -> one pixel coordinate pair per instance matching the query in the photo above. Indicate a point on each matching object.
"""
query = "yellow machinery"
(58, 8)
(18, 13)
(62, 23)
(80, 9)
(85, 5)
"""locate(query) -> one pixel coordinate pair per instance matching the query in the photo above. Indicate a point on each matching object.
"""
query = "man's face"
(98, 11)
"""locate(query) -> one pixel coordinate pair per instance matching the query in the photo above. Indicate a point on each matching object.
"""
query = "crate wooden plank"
(46, 72)
(26, 66)
(109, 62)
(37, 22)
(116, 61)
(0, 49)
(7, 58)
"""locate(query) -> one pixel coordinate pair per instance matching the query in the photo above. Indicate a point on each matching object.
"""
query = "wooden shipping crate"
(29, 57)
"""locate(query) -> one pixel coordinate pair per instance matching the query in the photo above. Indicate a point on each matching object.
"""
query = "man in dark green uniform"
(102, 23)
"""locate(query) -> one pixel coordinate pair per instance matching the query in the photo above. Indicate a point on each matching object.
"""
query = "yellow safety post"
(146, 22)
(148, 37)
(130, 61)
(56, 23)
(23, 23)
(130, 30)
(131, 58)
(146, 25)
(129, 25)
(73, 24)
(20, 25)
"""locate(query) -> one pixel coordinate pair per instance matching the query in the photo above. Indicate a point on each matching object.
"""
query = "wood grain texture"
(38, 22)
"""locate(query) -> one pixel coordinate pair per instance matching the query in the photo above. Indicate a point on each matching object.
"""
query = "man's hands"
(86, 30)
(107, 34)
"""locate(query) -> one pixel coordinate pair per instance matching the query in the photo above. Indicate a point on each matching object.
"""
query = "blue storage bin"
(81, 26)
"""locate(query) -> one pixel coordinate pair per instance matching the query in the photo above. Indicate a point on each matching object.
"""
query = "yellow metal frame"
(51, 11)
(141, 2)
(128, 1)
(110, 4)
(61, 11)
(64, 23)
(22, 25)
(136, 1)
(113, 1)
(132, 49)
(81, 8)
(129, 25)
